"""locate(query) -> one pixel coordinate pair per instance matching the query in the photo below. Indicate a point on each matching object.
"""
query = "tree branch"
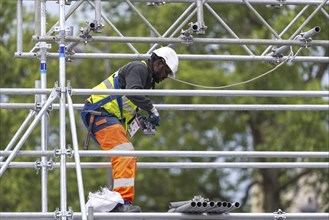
(246, 195)
(293, 180)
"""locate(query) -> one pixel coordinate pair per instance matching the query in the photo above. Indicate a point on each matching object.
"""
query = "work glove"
(154, 117)
(147, 127)
(142, 118)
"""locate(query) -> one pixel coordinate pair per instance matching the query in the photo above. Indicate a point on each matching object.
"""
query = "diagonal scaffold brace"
(53, 96)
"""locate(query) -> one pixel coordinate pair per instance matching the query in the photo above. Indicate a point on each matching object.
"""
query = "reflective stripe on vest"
(129, 109)
(126, 103)
(123, 182)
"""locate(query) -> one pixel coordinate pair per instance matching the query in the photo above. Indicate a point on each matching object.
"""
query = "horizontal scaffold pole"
(261, 2)
(166, 216)
(172, 92)
(141, 153)
(199, 107)
(195, 40)
(187, 165)
(120, 56)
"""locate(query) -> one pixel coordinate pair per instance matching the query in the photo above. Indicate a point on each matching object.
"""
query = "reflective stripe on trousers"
(123, 168)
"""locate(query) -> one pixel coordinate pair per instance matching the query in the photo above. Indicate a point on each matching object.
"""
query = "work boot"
(126, 207)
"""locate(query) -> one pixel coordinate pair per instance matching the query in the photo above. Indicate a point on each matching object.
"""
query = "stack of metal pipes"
(200, 205)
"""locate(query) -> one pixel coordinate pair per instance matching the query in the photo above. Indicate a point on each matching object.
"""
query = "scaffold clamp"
(41, 45)
(48, 165)
(68, 152)
(187, 36)
(281, 3)
(53, 95)
(155, 3)
(69, 88)
(279, 215)
(38, 107)
(59, 214)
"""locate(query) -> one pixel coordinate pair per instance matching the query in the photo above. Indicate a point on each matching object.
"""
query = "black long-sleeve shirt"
(137, 75)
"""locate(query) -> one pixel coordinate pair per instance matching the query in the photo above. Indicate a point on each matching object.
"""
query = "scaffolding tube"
(120, 56)
(51, 98)
(19, 17)
(77, 159)
(62, 89)
(18, 133)
(220, 20)
(40, 17)
(172, 92)
(237, 107)
(166, 216)
(304, 36)
(62, 118)
(222, 41)
(203, 154)
(187, 165)
(114, 28)
(199, 107)
(288, 26)
(266, 2)
(308, 19)
(246, 2)
(174, 25)
(205, 207)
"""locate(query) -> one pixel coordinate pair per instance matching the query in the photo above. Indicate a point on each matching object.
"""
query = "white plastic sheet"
(103, 200)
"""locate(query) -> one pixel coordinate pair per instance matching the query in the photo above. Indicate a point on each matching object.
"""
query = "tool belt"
(91, 110)
(96, 120)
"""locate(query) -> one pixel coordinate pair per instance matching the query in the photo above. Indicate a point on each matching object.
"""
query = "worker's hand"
(154, 117)
(142, 118)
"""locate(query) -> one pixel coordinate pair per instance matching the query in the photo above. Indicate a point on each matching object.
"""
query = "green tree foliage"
(179, 130)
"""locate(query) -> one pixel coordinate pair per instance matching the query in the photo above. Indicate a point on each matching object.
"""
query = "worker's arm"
(136, 77)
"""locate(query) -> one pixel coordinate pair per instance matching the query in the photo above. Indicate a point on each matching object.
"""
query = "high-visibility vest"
(129, 109)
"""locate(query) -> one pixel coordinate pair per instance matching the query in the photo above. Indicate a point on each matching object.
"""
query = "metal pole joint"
(60, 39)
(195, 28)
(68, 151)
(85, 32)
(304, 37)
(60, 214)
(59, 90)
(155, 3)
(68, 2)
(38, 107)
(42, 46)
(69, 88)
(96, 26)
(279, 215)
(279, 5)
(48, 164)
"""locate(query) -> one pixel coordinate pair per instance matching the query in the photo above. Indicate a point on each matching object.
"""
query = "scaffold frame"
(62, 36)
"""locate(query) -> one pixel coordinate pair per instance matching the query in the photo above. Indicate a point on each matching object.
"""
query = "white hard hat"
(171, 58)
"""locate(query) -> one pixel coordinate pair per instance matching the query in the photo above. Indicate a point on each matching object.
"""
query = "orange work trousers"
(114, 137)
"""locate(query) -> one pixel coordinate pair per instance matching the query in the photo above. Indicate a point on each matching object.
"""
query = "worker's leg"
(123, 168)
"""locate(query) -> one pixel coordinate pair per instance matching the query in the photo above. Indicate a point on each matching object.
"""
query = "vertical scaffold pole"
(63, 193)
(200, 16)
(77, 158)
(19, 26)
(45, 117)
